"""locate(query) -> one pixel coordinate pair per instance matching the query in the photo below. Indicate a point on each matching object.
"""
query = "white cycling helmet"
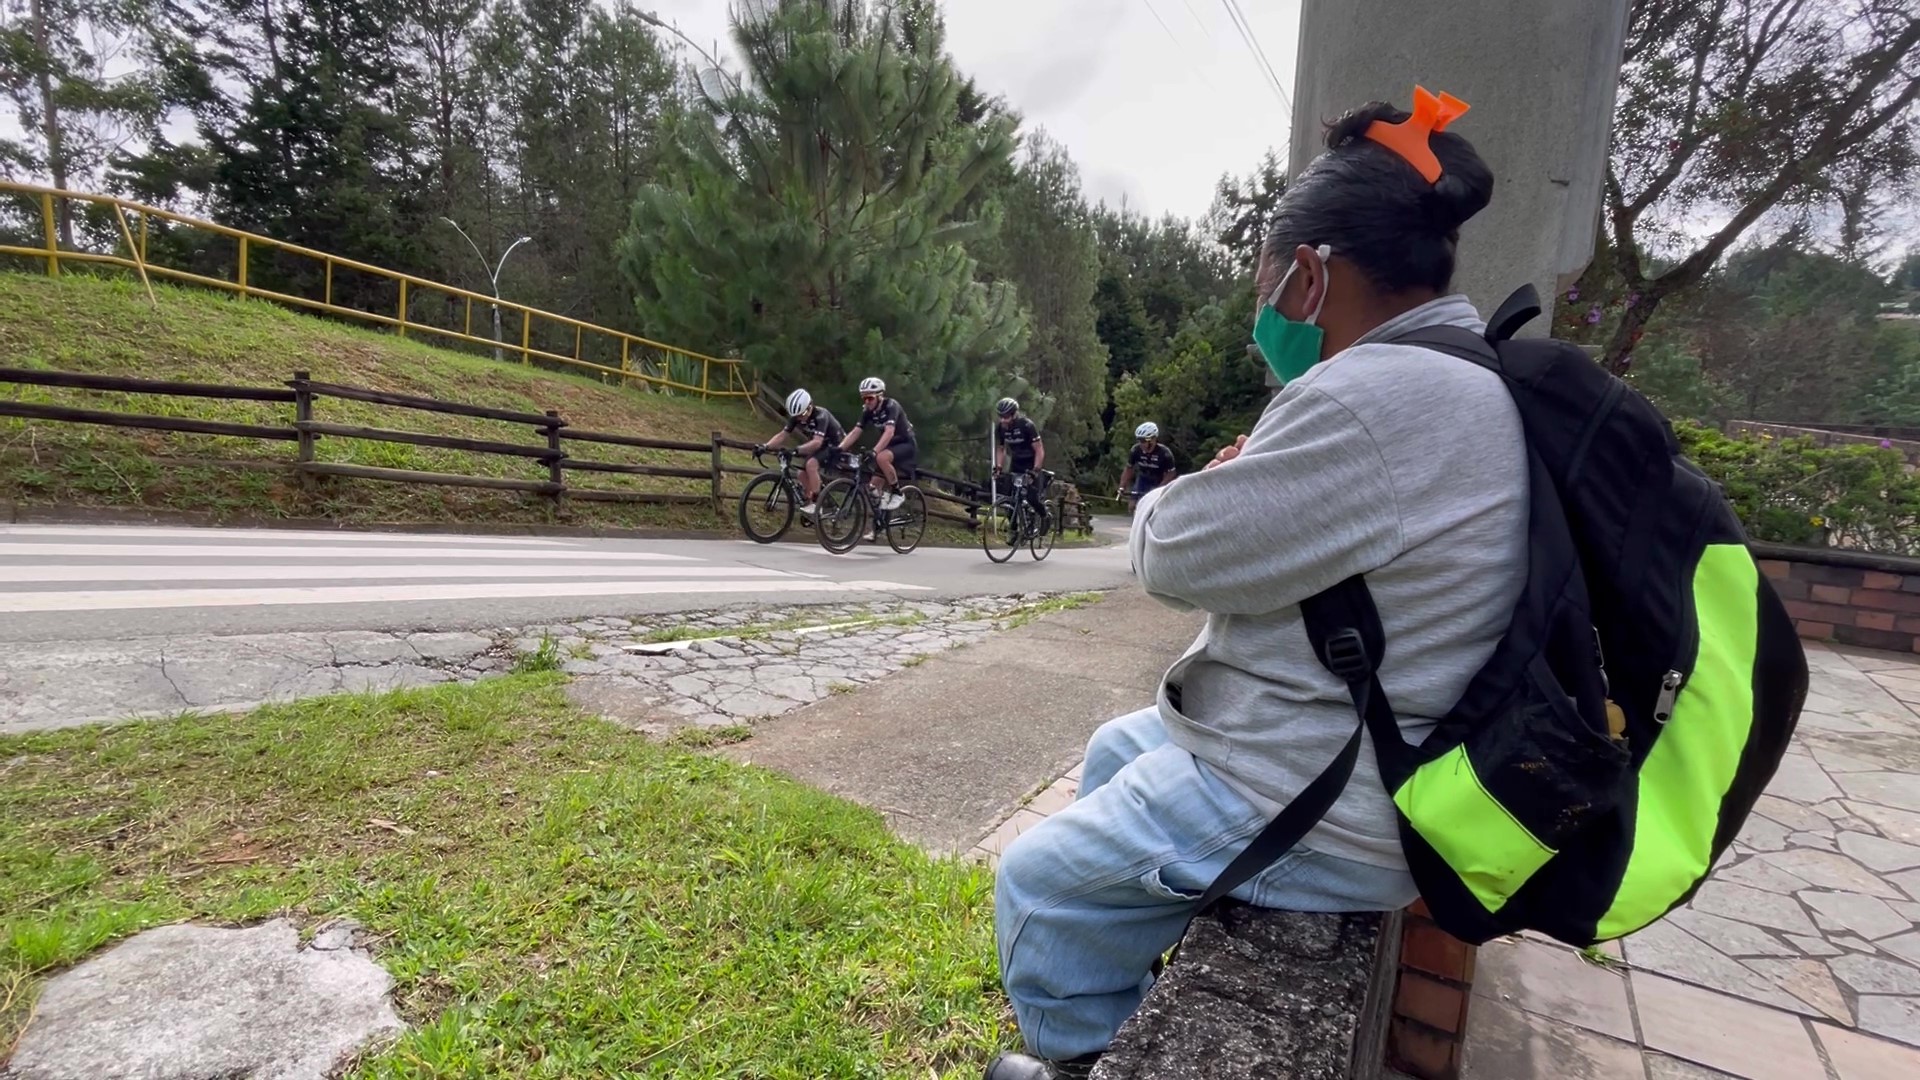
(1148, 430)
(798, 402)
(871, 385)
(1007, 406)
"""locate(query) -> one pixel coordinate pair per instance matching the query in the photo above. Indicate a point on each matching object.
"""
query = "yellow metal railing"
(641, 360)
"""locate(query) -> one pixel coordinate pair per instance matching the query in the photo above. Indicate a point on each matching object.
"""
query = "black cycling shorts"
(905, 459)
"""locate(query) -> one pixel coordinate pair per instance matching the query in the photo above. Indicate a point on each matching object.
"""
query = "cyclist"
(818, 433)
(1149, 465)
(893, 450)
(1018, 450)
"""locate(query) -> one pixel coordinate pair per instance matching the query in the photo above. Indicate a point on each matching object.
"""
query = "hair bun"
(1352, 125)
(1455, 199)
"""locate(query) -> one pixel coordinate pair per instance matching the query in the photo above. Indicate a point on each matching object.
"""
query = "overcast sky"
(1152, 113)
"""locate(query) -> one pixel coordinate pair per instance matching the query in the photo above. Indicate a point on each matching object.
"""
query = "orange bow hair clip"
(1409, 138)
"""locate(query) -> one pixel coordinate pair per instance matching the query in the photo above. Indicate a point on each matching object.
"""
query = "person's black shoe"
(1024, 1067)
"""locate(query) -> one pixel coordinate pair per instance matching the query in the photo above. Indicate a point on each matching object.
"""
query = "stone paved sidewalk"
(1800, 958)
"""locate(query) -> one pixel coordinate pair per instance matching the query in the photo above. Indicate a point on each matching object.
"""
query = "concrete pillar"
(1540, 75)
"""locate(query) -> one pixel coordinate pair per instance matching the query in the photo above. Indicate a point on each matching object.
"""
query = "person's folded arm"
(1306, 504)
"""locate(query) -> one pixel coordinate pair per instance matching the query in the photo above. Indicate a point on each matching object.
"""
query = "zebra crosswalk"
(48, 569)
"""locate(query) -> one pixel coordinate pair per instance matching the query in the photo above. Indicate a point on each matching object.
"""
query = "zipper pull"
(1669, 692)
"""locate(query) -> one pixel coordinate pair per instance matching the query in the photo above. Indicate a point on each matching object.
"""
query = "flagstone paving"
(1798, 960)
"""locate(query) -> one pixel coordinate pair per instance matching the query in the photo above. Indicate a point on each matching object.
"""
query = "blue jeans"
(1088, 899)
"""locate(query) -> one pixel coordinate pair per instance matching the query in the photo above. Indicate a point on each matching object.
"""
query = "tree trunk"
(1633, 324)
(50, 122)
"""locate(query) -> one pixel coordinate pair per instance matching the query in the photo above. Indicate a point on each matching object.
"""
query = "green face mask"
(1290, 348)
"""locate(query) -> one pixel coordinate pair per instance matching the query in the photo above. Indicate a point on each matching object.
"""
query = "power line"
(1245, 29)
(1161, 21)
(1239, 20)
(1197, 20)
(1171, 36)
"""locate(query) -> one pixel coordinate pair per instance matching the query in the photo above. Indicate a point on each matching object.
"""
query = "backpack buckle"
(1346, 655)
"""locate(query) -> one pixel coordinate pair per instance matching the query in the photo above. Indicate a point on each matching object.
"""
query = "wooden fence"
(552, 448)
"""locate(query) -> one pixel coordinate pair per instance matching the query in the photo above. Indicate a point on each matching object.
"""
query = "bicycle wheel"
(1042, 543)
(766, 508)
(842, 516)
(999, 535)
(907, 524)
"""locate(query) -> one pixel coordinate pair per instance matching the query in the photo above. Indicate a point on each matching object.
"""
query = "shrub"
(1790, 491)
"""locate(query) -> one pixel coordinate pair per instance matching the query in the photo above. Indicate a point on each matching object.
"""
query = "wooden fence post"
(717, 474)
(554, 473)
(302, 416)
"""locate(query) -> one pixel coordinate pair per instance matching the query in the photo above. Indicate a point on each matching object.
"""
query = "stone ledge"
(1256, 994)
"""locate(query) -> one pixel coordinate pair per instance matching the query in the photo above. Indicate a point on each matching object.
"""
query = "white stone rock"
(196, 1001)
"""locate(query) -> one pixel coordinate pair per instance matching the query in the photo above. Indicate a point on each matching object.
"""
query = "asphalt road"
(85, 582)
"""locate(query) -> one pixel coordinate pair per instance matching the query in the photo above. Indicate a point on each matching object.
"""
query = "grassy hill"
(109, 327)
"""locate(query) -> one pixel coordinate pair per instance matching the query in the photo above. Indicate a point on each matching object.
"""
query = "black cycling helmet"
(1007, 406)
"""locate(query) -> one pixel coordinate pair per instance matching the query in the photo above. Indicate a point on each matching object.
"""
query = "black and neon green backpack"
(1612, 746)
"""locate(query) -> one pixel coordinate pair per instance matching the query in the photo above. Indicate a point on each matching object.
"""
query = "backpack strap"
(1515, 312)
(1344, 627)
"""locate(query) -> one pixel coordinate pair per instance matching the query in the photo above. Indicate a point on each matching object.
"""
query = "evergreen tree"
(1047, 250)
(1243, 210)
(300, 110)
(813, 220)
(69, 76)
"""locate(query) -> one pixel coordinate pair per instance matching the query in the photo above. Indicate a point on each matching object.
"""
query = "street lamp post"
(493, 275)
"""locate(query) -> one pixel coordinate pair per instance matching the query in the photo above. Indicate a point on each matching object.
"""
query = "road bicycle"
(848, 505)
(768, 504)
(1012, 521)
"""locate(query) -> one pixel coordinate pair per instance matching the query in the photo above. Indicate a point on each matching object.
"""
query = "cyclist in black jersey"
(894, 450)
(819, 435)
(1018, 450)
(1149, 464)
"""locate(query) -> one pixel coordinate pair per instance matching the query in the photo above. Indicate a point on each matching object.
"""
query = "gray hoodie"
(1390, 460)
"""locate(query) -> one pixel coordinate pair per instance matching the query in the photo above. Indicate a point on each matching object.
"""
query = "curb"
(12, 513)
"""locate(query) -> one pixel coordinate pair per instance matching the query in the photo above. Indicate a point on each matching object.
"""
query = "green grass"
(544, 658)
(1026, 613)
(756, 631)
(559, 898)
(107, 326)
(697, 738)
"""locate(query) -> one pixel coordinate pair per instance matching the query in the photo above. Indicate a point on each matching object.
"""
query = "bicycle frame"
(1020, 509)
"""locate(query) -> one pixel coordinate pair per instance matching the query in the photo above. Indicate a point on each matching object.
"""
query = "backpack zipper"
(1670, 686)
(1675, 680)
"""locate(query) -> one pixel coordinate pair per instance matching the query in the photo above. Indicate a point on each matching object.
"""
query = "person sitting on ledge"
(1388, 460)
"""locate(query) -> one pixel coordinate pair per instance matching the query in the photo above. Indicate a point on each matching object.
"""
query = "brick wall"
(1868, 601)
(1429, 1020)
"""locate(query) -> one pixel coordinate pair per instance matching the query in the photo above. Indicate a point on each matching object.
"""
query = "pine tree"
(300, 109)
(813, 222)
(1047, 250)
(64, 72)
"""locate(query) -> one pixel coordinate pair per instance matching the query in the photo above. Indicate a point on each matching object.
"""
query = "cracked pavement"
(748, 664)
